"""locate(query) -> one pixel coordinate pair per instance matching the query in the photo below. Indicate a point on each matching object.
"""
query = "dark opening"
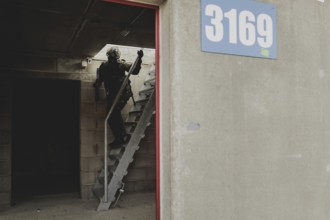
(45, 155)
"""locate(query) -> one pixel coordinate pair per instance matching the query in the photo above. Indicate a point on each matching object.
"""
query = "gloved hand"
(95, 85)
(140, 53)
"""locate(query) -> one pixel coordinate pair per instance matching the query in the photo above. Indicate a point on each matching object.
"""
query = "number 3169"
(245, 27)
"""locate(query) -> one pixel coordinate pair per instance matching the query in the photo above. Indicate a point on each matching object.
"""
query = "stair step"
(147, 90)
(150, 80)
(117, 147)
(151, 72)
(111, 171)
(133, 117)
(111, 163)
(114, 151)
(151, 83)
(142, 101)
(98, 192)
(115, 157)
(101, 179)
(135, 112)
(136, 108)
(130, 123)
(141, 136)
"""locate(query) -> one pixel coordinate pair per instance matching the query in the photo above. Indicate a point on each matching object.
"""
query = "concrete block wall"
(91, 137)
(5, 143)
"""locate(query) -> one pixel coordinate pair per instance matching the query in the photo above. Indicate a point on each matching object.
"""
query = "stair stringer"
(127, 157)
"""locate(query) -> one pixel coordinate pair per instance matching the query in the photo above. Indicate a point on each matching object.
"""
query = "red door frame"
(156, 8)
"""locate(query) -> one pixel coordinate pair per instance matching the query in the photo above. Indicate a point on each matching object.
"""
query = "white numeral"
(232, 18)
(214, 32)
(265, 30)
(247, 30)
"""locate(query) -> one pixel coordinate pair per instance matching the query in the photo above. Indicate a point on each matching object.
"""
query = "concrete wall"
(91, 137)
(260, 147)
(5, 143)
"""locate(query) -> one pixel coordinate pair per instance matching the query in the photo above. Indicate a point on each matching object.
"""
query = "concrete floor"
(138, 206)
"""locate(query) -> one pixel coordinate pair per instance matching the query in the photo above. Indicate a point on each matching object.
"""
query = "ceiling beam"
(81, 25)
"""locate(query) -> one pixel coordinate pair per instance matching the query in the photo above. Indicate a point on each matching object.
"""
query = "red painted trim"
(157, 36)
(157, 118)
(137, 4)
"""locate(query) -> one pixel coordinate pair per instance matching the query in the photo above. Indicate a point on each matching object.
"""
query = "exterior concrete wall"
(260, 144)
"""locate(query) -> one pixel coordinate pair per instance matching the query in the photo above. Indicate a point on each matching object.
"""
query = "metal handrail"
(106, 129)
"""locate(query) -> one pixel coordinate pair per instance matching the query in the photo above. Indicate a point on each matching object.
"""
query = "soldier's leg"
(118, 128)
(116, 124)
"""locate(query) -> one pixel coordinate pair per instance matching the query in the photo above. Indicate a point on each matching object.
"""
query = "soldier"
(112, 74)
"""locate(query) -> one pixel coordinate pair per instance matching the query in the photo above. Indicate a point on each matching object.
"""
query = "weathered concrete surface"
(260, 144)
(69, 207)
(5, 142)
(165, 109)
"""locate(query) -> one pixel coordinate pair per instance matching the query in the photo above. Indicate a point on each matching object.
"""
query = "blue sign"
(240, 27)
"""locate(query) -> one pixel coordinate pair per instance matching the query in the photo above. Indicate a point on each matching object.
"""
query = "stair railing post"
(106, 129)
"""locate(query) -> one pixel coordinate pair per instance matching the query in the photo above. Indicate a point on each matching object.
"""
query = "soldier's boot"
(118, 142)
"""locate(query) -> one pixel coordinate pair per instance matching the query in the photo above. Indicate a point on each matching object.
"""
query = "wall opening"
(154, 132)
(45, 153)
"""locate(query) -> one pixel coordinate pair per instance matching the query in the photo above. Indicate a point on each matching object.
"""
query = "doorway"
(156, 33)
(45, 153)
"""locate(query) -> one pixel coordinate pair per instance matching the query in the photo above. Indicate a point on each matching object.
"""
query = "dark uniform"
(112, 74)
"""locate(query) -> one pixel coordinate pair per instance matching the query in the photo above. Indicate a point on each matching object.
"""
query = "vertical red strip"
(157, 118)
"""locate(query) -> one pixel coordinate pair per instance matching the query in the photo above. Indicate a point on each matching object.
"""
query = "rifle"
(132, 95)
(97, 86)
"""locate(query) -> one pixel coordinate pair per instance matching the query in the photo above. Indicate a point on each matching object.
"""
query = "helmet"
(113, 52)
